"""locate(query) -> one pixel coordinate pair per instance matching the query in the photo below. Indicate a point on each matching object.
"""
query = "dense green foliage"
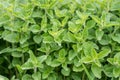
(60, 39)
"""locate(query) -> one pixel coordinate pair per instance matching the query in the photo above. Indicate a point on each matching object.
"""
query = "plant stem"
(23, 58)
(86, 71)
(35, 70)
(83, 77)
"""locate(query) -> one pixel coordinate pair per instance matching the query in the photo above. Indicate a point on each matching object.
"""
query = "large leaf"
(116, 72)
(7, 50)
(3, 78)
(12, 37)
(96, 70)
(115, 5)
(104, 53)
(108, 70)
(36, 76)
(27, 65)
(116, 37)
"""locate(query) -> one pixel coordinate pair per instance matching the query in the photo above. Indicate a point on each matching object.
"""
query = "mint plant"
(59, 40)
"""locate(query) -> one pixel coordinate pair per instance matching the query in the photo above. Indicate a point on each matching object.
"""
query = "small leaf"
(71, 55)
(96, 19)
(99, 34)
(65, 72)
(33, 57)
(79, 14)
(73, 27)
(97, 62)
(56, 34)
(27, 77)
(87, 47)
(44, 48)
(94, 54)
(48, 60)
(39, 65)
(76, 76)
(87, 59)
(44, 22)
(64, 65)
(77, 48)
(27, 65)
(37, 13)
(85, 33)
(53, 4)
(19, 68)
(37, 38)
(78, 1)
(78, 69)
(17, 54)
(55, 47)
(46, 72)
(112, 23)
(34, 28)
(52, 77)
(64, 21)
(55, 63)
(23, 38)
(42, 58)
(47, 39)
(69, 37)
(77, 62)
(111, 61)
(62, 53)
(105, 40)
(90, 24)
